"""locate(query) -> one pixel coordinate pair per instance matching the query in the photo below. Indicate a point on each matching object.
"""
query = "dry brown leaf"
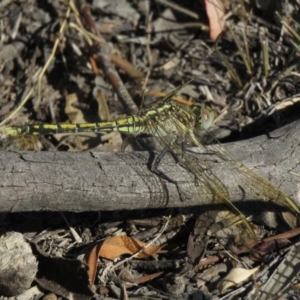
(116, 246)
(74, 114)
(234, 277)
(91, 259)
(147, 278)
(215, 11)
(127, 276)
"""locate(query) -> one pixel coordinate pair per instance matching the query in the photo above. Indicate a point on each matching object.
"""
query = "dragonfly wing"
(172, 132)
(252, 185)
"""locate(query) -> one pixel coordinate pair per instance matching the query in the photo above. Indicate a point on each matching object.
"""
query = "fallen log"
(89, 181)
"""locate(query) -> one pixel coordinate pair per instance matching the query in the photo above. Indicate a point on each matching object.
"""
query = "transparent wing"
(174, 128)
(253, 186)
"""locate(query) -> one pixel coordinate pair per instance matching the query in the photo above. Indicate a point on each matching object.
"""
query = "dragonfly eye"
(207, 117)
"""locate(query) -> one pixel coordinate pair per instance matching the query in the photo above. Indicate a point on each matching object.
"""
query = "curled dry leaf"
(234, 277)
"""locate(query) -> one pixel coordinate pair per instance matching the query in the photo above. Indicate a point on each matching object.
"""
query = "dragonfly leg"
(184, 161)
(154, 168)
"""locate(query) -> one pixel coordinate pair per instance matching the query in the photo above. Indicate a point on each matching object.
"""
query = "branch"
(66, 181)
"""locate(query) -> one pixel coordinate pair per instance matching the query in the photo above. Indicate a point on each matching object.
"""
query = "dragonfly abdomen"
(130, 125)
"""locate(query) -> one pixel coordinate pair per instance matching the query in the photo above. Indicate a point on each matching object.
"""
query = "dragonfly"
(176, 126)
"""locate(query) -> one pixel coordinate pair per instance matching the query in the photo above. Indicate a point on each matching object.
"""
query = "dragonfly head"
(204, 114)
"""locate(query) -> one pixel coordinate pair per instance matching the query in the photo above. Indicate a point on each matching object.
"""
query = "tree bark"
(89, 181)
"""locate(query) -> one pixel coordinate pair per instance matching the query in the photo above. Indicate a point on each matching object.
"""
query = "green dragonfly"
(176, 126)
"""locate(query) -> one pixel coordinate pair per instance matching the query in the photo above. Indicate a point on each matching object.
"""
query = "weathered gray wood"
(64, 181)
